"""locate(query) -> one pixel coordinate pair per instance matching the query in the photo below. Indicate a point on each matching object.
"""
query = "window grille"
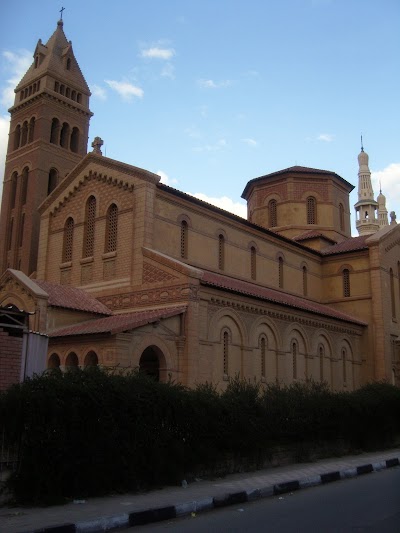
(111, 229)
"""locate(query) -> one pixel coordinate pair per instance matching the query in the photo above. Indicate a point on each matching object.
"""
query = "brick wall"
(10, 359)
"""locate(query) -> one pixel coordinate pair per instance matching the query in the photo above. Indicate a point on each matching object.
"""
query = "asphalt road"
(369, 504)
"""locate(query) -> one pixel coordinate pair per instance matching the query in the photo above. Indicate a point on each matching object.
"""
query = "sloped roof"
(296, 170)
(312, 235)
(272, 295)
(72, 298)
(118, 323)
(349, 245)
(52, 53)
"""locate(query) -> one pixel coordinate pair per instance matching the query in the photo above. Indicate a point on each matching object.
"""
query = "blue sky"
(213, 93)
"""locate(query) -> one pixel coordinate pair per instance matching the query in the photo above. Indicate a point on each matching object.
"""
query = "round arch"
(163, 352)
(71, 361)
(152, 363)
(91, 359)
(54, 361)
(229, 319)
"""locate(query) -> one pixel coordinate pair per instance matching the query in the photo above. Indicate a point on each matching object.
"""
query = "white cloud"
(219, 145)
(211, 84)
(166, 179)
(326, 137)
(224, 202)
(125, 89)
(98, 92)
(389, 179)
(155, 52)
(250, 142)
(168, 71)
(16, 63)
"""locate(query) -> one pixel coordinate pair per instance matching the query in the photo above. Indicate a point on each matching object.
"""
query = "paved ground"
(102, 514)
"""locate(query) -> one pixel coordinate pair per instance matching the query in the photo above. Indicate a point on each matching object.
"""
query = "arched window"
(341, 217)
(225, 341)
(55, 131)
(67, 92)
(56, 86)
(24, 133)
(91, 359)
(21, 230)
(31, 130)
(52, 181)
(294, 359)
(311, 210)
(221, 252)
(253, 262)
(13, 194)
(54, 361)
(272, 214)
(398, 277)
(68, 64)
(62, 89)
(17, 137)
(263, 350)
(79, 98)
(344, 369)
(24, 191)
(73, 95)
(111, 229)
(392, 294)
(72, 361)
(280, 272)
(68, 240)
(346, 283)
(10, 234)
(64, 136)
(36, 61)
(90, 216)
(184, 239)
(321, 363)
(305, 281)
(74, 143)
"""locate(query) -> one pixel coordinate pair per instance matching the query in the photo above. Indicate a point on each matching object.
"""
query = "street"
(369, 503)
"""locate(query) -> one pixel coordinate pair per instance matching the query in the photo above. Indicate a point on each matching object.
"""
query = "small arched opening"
(152, 362)
(91, 359)
(53, 362)
(72, 361)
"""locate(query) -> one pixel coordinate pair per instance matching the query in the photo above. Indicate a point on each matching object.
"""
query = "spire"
(366, 221)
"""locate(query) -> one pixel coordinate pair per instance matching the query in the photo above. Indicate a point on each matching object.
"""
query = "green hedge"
(86, 433)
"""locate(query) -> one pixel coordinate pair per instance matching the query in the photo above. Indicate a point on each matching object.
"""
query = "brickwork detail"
(65, 276)
(163, 295)
(10, 359)
(300, 189)
(152, 274)
(109, 269)
(86, 274)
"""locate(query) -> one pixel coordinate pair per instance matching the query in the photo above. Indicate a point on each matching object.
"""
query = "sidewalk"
(103, 514)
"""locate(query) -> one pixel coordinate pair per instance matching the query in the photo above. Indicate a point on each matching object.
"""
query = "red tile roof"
(272, 295)
(349, 245)
(72, 298)
(118, 323)
(296, 170)
(312, 235)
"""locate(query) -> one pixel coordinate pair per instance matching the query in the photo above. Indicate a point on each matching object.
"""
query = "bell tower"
(366, 207)
(48, 136)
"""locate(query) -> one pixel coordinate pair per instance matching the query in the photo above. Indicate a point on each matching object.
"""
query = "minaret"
(366, 221)
(48, 137)
(382, 211)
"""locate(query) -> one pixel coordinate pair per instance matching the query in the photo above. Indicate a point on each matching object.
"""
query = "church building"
(101, 264)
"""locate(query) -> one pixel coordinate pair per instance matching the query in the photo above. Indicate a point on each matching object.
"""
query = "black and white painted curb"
(147, 516)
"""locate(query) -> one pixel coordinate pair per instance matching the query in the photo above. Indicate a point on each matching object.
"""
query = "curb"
(147, 516)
